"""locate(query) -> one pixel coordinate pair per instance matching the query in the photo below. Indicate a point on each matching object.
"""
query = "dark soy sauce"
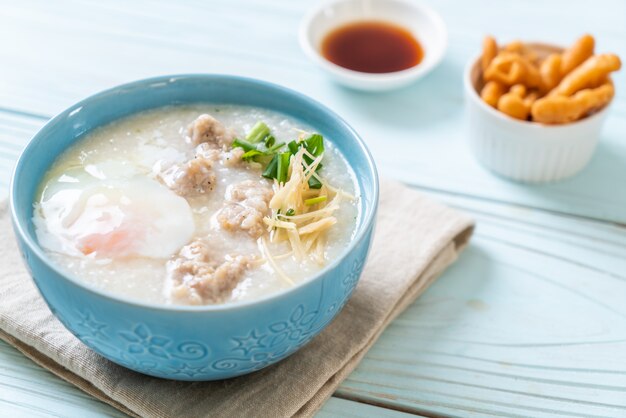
(372, 47)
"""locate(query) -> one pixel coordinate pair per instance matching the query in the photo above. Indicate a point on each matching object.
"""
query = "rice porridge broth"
(130, 153)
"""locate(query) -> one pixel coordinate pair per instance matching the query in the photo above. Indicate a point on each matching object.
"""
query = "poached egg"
(111, 210)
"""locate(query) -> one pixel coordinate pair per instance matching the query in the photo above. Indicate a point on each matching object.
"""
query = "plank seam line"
(517, 364)
(621, 225)
(47, 393)
(544, 237)
(546, 381)
(31, 407)
(502, 221)
(387, 405)
(416, 328)
(566, 260)
(449, 403)
(41, 384)
(453, 393)
(24, 113)
(571, 290)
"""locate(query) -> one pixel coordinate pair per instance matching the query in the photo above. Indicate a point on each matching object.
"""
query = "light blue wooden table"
(531, 321)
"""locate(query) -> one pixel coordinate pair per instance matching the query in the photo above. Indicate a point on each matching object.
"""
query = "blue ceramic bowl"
(185, 342)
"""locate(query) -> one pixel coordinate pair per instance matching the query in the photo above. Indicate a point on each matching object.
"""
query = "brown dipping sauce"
(372, 47)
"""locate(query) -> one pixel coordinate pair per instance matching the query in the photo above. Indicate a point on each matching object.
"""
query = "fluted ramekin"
(527, 151)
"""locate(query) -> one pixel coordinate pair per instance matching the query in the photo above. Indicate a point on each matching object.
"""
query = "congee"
(197, 205)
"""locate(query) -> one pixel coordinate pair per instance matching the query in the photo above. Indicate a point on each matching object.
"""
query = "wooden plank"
(336, 407)
(27, 390)
(15, 131)
(530, 321)
(64, 51)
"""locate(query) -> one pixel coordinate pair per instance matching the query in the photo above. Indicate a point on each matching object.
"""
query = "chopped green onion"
(314, 183)
(258, 133)
(283, 166)
(269, 141)
(276, 162)
(290, 212)
(271, 169)
(315, 200)
(243, 144)
(276, 147)
(249, 155)
(293, 147)
(315, 144)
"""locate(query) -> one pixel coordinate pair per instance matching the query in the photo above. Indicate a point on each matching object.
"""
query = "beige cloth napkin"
(415, 240)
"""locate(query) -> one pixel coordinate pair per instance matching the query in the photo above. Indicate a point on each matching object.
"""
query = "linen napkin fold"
(414, 241)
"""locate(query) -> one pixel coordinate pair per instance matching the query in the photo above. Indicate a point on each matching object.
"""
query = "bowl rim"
(367, 223)
(416, 71)
(475, 98)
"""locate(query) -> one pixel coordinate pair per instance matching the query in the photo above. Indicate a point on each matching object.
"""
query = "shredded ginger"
(303, 226)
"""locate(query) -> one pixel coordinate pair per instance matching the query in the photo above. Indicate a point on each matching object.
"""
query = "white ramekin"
(527, 151)
(422, 21)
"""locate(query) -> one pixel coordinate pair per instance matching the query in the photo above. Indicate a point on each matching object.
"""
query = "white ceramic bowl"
(527, 151)
(423, 22)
